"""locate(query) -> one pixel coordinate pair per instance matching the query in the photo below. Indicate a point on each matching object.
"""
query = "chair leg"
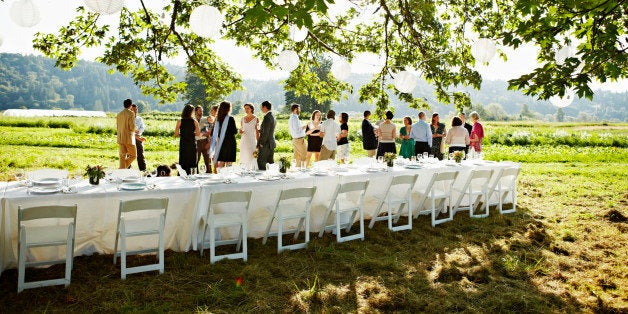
(337, 227)
(239, 245)
(161, 245)
(244, 240)
(307, 226)
(296, 233)
(361, 221)
(115, 248)
(212, 242)
(325, 220)
(21, 261)
(203, 239)
(123, 255)
(68, 257)
(353, 214)
(379, 208)
(270, 223)
(279, 231)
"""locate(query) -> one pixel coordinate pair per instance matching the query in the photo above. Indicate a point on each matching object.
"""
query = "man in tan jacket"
(126, 135)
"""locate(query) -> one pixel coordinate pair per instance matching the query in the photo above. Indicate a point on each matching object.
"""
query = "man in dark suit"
(369, 139)
(266, 141)
(467, 126)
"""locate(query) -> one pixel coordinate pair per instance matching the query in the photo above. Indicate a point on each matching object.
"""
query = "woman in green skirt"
(407, 143)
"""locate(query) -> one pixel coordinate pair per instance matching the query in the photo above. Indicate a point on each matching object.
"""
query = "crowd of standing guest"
(213, 138)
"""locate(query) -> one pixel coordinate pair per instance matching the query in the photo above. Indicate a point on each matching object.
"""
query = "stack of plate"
(46, 186)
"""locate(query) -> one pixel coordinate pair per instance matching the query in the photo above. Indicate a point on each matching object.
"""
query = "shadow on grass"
(478, 265)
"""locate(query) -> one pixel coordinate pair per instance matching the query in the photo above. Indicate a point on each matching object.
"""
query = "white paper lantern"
(566, 100)
(206, 21)
(405, 81)
(279, 2)
(105, 7)
(296, 33)
(483, 50)
(288, 60)
(563, 53)
(341, 69)
(622, 42)
(25, 13)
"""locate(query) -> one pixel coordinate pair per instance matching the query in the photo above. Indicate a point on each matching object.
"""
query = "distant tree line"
(33, 82)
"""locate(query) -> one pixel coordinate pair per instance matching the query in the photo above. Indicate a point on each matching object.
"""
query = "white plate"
(373, 170)
(133, 186)
(268, 178)
(320, 173)
(203, 176)
(341, 169)
(412, 166)
(47, 181)
(131, 179)
(45, 190)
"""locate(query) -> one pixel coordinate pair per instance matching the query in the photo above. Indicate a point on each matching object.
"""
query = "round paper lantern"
(566, 100)
(622, 43)
(279, 2)
(563, 53)
(206, 21)
(288, 60)
(405, 81)
(341, 69)
(297, 33)
(105, 7)
(483, 50)
(25, 13)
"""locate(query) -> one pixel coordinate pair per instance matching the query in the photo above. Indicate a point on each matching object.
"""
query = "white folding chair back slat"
(288, 208)
(475, 188)
(340, 205)
(438, 191)
(392, 197)
(215, 220)
(152, 222)
(506, 185)
(45, 235)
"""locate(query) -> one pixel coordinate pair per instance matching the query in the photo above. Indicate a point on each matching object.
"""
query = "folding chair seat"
(399, 192)
(506, 185)
(438, 191)
(139, 218)
(46, 173)
(292, 204)
(475, 188)
(34, 232)
(341, 204)
(231, 218)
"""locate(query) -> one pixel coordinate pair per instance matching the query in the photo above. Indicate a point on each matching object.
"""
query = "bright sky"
(56, 13)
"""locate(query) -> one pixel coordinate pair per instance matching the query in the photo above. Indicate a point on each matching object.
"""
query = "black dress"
(314, 141)
(228, 149)
(187, 145)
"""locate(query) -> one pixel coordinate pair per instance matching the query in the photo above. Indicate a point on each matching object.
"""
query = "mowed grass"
(564, 250)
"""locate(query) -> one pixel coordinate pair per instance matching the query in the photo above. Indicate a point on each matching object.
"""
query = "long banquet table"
(188, 202)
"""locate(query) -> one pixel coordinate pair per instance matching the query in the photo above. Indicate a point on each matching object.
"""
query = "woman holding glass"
(438, 132)
(186, 130)
(407, 143)
(477, 133)
(314, 140)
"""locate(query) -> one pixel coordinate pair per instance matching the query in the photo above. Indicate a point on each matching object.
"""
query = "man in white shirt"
(297, 131)
(139, 140)
(330, 129)
(202, 147)
(422, 135)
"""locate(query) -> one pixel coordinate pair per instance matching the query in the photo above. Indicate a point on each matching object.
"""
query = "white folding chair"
(506, 184)
(399, 192)
(215, 220)
(47, 173)
(438, 191)
(292, 204)
(475, 188)
(39, 234)
(151, 221)
(340, 204)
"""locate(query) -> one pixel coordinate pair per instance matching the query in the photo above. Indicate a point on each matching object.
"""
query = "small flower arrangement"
(458, 156)
(389, 158)
(95, 172)
(284, 164)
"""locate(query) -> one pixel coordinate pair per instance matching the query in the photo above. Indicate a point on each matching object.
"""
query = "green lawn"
(565, 250)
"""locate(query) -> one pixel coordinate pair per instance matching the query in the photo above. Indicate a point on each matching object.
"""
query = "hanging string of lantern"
(105, 7)
(405, 81)
(341, 69)
(206, 21)
(565, 100)
(25, 13)
(483, 50)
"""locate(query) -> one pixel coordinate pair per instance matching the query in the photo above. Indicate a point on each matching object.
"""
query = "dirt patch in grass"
(614, 215)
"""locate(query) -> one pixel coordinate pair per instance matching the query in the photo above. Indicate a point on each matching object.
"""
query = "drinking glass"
(293, 164)
(451, 156)
(412, 159)
(380, 159)
(201, 168)
(426, 155)
(304, 166)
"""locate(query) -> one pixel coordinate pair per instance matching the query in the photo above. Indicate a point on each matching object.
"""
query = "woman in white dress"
(249, 129)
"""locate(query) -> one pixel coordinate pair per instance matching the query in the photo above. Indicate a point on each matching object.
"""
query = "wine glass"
(426, 155)
(19, 174)
(380, 159)
(451, 156)
(201, 168)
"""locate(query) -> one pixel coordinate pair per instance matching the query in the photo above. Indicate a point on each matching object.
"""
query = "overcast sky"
(56, 13)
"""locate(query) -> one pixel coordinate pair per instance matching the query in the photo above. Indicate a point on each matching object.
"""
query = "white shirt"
(139, 124)
(331, 128)
(457, 137)
(421, 132)
(296, 130)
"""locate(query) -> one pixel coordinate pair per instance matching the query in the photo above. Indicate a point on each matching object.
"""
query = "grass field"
(565, 250)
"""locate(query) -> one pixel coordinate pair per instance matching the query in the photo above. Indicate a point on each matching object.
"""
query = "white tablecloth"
(98, 206)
